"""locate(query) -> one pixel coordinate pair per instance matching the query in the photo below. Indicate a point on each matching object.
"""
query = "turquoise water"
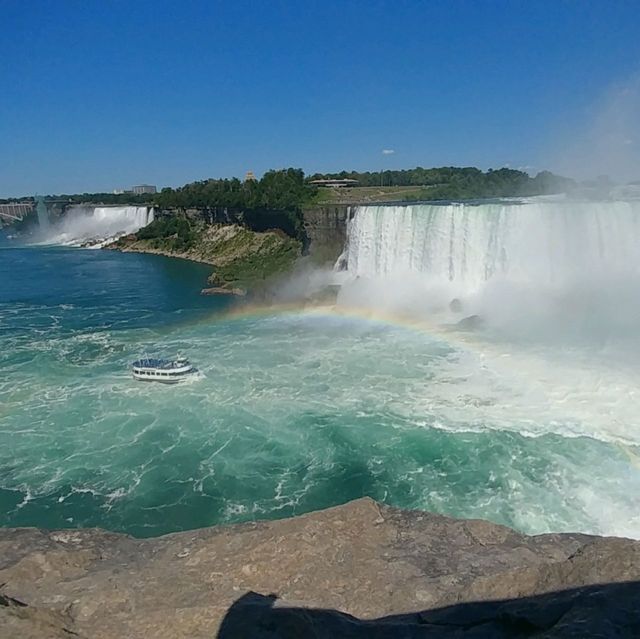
(292, 411)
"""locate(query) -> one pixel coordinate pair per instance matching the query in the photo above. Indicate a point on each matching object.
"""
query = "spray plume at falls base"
(96, 226)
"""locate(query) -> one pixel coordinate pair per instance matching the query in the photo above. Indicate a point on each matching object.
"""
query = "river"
(293, 410)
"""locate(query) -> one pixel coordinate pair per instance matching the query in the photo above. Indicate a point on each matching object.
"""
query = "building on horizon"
(141, 189)
(250, 177)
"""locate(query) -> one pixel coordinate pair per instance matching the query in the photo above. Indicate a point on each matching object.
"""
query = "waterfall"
(43, 214)
(128, 218)
(543, 267)
(98, 226)
(467, 245)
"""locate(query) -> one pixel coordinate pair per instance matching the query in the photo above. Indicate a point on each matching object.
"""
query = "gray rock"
(390, 573)
(470, 323)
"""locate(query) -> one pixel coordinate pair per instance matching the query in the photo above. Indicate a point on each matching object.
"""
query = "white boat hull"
(162, 380)
(163, 371)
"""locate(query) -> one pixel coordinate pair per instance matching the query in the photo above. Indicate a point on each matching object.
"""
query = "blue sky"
(100, 95)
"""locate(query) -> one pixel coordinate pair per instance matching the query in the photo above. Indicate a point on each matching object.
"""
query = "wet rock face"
(470, 323)
(326, 228)
(367, 561)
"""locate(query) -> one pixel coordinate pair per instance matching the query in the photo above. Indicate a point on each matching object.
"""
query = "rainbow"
(298, 309)
(360, 314)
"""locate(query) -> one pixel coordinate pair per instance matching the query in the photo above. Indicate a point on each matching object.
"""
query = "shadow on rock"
(601, 611)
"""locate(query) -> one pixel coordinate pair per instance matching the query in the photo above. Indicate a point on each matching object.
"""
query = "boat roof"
(163, 364)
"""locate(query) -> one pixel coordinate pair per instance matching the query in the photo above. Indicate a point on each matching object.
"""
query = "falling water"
(542, 242)
(82, 225)
(43, 214)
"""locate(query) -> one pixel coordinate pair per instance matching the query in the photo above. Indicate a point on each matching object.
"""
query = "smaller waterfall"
(43, 213)
(98, 226)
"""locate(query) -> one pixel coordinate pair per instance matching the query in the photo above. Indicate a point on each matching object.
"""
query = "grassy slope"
(361, 194)
(242, 258)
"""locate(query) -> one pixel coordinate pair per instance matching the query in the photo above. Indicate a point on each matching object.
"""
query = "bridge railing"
(15, 210)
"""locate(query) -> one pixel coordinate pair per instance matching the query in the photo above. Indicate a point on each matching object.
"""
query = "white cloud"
(388, 151)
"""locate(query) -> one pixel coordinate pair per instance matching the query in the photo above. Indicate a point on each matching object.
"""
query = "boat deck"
(160, 364)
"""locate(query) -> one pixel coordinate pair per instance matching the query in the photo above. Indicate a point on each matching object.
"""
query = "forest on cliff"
(290, 190)
(459, 183)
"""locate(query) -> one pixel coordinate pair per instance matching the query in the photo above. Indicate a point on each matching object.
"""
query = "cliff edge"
(357, 570)
(242, 258)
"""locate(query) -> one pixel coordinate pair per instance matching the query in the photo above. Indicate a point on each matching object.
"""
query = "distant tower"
(250, 177)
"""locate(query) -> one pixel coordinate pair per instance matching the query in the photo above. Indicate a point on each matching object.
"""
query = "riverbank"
(243, 259)
(93, 583)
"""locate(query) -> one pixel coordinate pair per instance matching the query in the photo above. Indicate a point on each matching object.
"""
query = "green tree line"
(288, 190)
(175, 232)
(277, 190)
(450, 182)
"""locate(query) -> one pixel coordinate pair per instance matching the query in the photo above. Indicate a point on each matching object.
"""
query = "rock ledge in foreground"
(363, 559)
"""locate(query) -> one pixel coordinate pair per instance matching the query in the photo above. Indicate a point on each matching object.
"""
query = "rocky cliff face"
(326, 230)
(324, 226)
(390, 573)
(243, 259)
(255, 244)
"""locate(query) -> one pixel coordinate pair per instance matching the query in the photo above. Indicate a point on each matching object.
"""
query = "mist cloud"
(609, 144)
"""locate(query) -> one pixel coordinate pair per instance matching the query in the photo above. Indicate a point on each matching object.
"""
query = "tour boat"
(162, 370)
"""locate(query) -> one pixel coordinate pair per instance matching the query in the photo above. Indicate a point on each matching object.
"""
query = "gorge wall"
(326, 228)
(323, 233)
